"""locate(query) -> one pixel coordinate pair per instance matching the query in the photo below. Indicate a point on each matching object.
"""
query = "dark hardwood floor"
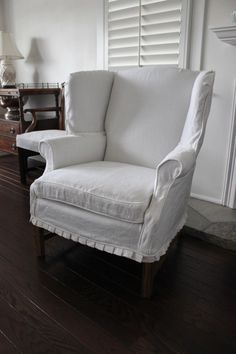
(80, 300)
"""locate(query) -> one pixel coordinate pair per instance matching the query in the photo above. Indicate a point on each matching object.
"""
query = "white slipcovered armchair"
(122, 182)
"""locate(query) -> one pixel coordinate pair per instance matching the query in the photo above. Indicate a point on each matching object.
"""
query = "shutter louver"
(160, 32)
(143, 32)
(123, 33)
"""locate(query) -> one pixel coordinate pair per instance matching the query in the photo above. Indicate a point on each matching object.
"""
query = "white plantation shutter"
(123, 33)
(144, 32)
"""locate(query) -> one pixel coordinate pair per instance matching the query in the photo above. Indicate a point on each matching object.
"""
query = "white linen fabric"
(166, 214)
(194, 128)
(86, 98)
(146, 114)
(87, 95)
(134, 205)
(88, 228)
(90, 186)
(64, 152)
(141, 243)
(30, 141)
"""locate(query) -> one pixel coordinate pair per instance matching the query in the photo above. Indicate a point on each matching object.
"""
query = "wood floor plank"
(16, 308)
(6, 346)
(82, 300)
(93, 267)
(127, 334)
(27, 337)
(56, 308)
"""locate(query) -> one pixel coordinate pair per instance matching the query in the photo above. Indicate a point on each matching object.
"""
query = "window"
(146, 32)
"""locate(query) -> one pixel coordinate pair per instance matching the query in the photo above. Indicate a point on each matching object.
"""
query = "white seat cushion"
(117, 190)
(30, 141)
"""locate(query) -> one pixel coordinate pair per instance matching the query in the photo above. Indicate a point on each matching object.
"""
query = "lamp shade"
(8, 48)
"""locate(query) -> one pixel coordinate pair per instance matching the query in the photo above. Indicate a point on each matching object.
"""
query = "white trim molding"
(206, 198)
(197, 34)
(226, 34)
(185, 33)
(229, 191)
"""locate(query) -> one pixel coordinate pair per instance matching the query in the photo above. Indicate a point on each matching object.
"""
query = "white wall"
(1, 15)
(56, 37)
(209, 177)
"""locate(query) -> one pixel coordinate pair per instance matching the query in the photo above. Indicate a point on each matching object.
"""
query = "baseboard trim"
(206, 198)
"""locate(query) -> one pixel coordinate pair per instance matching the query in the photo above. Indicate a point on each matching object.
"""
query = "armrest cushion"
(175, 165)
(72, 149)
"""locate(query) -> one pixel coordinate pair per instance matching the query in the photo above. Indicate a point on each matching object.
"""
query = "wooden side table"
(15, 98)
(8, 131)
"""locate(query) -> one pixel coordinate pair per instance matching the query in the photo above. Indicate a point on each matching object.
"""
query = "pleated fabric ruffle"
(128, 253)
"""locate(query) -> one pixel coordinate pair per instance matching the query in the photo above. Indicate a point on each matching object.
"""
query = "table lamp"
(8, 52)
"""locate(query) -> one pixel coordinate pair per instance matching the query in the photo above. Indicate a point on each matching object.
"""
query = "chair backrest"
(87, 95)
(147, 113)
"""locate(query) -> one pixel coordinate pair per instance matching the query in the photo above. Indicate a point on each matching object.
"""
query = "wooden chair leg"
(22, 165)
(148, 275)
(150, 270)
(39, 242)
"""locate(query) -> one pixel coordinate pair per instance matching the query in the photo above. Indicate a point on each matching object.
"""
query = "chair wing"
(86, 94)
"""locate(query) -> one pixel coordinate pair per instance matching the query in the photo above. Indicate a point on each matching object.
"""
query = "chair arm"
(166, 213)
(72, 149)
(175, 165)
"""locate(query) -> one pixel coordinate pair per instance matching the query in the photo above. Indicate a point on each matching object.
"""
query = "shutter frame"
(151, 32)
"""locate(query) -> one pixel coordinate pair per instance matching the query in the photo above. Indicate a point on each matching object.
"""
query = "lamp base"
(7, 73)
